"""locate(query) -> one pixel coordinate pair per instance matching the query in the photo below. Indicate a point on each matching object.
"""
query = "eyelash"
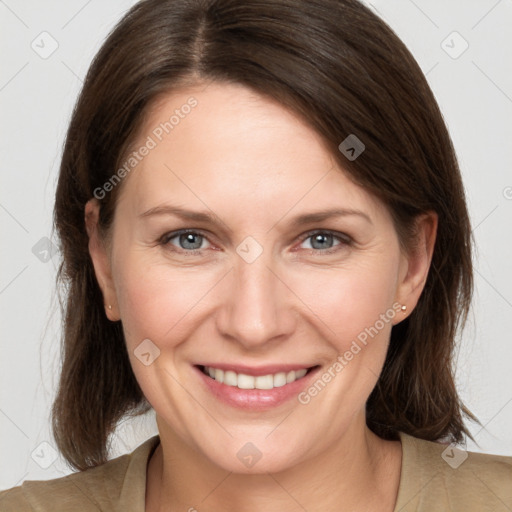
(344, 240)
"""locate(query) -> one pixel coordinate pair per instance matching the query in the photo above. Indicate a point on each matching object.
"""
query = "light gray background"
(37, 94)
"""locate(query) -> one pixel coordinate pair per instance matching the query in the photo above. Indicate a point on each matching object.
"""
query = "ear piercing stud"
(404, 308)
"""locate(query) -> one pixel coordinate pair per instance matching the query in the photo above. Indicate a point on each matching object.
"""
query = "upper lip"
(256, 371)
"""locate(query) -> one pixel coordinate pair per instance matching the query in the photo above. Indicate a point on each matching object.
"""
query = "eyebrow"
(211, 218)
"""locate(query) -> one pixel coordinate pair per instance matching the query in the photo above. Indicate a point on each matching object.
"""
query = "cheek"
(348, 301)
(161, 304)
(353, 310)
(157, 301)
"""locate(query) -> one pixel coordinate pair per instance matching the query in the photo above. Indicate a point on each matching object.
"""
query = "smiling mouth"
(244, 381)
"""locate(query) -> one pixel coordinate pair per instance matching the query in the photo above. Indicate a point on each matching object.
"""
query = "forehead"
(229, 121)
(225, 143)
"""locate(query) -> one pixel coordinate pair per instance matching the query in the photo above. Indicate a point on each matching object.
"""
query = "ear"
(100, 259)
(415, 264)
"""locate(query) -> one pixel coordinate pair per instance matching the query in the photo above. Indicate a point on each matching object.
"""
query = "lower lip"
(256, 399)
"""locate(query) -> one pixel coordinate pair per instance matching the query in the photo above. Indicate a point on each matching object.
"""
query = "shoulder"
(104, 487)
(92, 489)
(437, 476)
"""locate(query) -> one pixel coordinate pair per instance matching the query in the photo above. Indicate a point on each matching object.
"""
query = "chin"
(246, 458)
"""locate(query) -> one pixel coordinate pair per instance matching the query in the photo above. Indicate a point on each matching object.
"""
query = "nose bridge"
(256, 309)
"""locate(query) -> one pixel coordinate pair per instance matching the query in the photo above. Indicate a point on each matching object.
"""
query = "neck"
(362, 472)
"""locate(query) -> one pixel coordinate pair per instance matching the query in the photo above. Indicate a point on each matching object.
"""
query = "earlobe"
(417, 262)
(100, 260)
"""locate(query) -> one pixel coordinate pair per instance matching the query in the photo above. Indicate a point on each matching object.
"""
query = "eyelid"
(336, 234)
(166, 237)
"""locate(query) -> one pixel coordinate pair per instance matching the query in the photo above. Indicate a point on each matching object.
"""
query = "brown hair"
(344, 71)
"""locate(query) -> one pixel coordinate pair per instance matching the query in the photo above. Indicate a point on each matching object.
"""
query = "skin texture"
(256, 166)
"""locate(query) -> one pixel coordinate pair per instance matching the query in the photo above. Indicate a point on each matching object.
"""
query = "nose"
(258, 306)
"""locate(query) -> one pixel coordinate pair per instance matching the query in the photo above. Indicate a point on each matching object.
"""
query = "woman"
(298, 353)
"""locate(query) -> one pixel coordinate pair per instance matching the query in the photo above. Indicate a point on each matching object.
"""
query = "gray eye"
(191, 241)
(322, 241)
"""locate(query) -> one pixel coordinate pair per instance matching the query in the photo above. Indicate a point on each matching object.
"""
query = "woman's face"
(254, 286)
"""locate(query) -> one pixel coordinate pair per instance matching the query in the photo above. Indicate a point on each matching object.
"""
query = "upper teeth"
(243, 381)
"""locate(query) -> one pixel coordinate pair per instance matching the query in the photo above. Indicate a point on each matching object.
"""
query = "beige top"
(429, 481)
